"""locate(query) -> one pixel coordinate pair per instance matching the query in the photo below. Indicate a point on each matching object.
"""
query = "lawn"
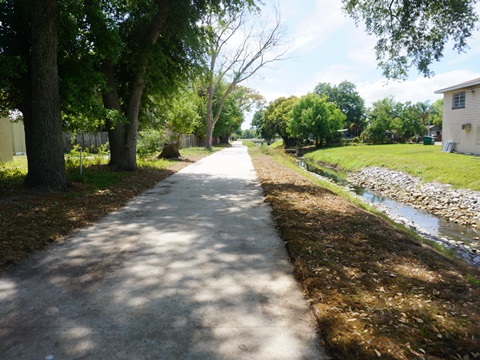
(426, 162)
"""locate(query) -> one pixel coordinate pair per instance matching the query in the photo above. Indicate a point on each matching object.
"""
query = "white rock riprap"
(458, 205)
(395, 184)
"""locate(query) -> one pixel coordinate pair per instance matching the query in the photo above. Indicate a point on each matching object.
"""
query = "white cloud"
(330, 48)
(419, 89)
(312, 27)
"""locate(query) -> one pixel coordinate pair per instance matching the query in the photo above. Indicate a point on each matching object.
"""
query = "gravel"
(457, 205)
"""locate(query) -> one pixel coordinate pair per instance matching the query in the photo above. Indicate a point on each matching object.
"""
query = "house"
(461, 116)
(12, 139)
(6, 141)
(435, 131)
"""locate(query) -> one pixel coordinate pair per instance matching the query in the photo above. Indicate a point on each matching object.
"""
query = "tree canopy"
(390, 120)
(348, 100)
(314, 115)
(414, 33)
(276, 118)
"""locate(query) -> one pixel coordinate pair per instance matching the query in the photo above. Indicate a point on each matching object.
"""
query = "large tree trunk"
(224, 139)
(170, 151)
(116, 130)
(121, 135)
(44, 142)
(209, 134)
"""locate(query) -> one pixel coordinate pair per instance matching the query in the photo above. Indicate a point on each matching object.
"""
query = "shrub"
(150, 142)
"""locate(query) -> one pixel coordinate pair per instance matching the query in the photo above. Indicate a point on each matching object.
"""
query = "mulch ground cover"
(30, 221)
(375, 289)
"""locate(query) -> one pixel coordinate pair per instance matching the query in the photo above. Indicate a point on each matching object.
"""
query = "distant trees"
(436, 113)
(389, 120)
(239, 101)
(297, 119)
(276, 118)
(348, 100)
(313, 115)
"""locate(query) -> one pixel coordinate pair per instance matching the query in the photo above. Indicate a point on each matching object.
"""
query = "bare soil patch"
(376, 290)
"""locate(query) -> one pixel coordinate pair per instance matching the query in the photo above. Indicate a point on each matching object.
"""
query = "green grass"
(289, 161)
(13, 172)
(94, 169)
(426, 162)
(199, 151)
(100, 178)
(248, 143)
(277, 144)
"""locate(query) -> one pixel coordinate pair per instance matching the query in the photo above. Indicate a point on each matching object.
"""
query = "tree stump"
(170, 151)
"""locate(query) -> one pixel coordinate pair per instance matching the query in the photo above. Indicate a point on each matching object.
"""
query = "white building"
(461, 116)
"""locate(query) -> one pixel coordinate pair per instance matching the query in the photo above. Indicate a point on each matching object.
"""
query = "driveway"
(191, 269)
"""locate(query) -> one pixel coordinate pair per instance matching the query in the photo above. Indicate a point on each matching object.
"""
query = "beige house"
(12, 139)
(461, 116)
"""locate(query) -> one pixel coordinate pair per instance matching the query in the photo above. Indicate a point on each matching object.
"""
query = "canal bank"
(435, 211)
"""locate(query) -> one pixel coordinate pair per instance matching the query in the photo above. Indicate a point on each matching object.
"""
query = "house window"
(458, 100)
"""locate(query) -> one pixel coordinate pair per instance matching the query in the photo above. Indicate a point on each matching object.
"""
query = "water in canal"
(432, 224)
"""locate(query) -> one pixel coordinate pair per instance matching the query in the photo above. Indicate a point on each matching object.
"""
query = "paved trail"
(191, 269)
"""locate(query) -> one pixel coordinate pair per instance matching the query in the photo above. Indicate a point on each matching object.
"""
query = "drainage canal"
(447, 232)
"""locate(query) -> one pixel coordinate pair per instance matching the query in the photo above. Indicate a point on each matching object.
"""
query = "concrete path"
(191, 269)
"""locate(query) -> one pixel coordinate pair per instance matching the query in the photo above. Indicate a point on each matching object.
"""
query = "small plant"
(472, 280)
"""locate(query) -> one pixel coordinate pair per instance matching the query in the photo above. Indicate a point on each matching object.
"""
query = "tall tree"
(276, 118)
(145, 46)
(259, 46)
(414, 33)
(380, 120)
(348, 100)
(436, 113)
(313, 115)
(411, 121)
(46, 165)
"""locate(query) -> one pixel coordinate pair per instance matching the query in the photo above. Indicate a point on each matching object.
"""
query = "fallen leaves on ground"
(375, 290)
(31, 221)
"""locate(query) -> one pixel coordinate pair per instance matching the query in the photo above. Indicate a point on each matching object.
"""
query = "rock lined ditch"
(457, 206)
(461, 206)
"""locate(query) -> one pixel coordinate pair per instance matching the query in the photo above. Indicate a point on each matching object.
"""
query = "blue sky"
(327, 46)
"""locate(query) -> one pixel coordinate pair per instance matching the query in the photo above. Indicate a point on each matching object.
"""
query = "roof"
(467, 84)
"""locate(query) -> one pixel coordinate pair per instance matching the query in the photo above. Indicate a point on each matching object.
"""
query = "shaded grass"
(376, 291)
(426, 162)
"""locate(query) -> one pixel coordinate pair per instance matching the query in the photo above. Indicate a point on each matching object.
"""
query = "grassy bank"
(30, 221)
(427, 162)
(375, 290)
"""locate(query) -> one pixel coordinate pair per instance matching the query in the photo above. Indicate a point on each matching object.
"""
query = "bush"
(150, 142)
